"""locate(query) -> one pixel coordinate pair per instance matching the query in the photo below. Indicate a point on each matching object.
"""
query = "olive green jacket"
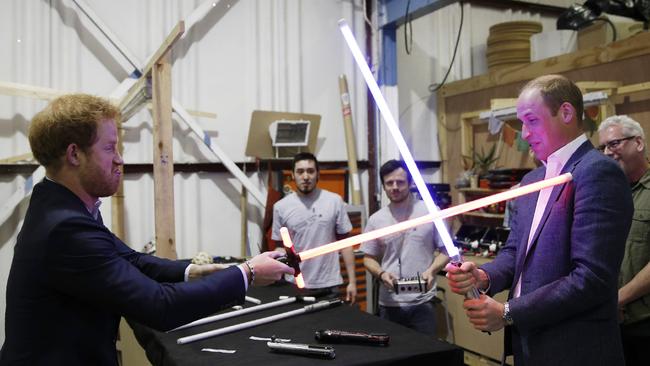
(637, 249)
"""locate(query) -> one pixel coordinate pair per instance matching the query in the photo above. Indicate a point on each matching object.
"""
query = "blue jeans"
(420, 317)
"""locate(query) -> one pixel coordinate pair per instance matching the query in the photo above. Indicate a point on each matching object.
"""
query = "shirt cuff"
(244, 277)
(187, 272)
(488, 281)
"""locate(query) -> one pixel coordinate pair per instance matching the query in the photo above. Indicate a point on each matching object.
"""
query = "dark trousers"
(420, 317)
(636, 340)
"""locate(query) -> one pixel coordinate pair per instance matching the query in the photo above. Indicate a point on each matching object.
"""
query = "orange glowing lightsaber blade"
(293, 258)
(443, 214)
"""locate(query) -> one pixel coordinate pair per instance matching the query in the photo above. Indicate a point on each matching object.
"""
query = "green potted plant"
(481, 162)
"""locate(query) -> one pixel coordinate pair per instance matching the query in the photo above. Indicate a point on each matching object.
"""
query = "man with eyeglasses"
(622, 139)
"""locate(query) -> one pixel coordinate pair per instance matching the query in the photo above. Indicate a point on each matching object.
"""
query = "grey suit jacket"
(567, 311)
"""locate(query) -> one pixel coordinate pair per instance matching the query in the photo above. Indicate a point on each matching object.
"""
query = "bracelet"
(381, 273)
(251, 269)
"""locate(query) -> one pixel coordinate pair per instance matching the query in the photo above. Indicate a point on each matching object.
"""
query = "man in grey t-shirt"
(315, 217)
(405, 254)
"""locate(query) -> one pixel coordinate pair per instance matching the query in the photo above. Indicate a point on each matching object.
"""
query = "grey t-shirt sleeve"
(371, 247)
(275, 232)
(343, 224)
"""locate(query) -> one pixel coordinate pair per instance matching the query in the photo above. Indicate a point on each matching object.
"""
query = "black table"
(406, 345)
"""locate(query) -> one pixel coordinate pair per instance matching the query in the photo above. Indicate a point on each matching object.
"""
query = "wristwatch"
(507, 317)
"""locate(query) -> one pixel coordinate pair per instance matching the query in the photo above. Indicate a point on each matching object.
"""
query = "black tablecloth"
(406, 345)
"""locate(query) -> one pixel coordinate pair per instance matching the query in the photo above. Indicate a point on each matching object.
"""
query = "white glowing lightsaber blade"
(235, 313)
(452, 251)
(443, 214)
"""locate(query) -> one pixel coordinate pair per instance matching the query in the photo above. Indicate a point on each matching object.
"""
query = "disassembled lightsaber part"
(235, 313)
(253, 323)
(303, 349)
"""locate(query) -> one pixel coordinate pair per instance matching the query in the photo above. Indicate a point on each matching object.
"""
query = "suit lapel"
(528, 209)
(557, 191)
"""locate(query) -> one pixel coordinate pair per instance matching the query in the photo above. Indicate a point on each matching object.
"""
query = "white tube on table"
(256, 322)
(232, 314)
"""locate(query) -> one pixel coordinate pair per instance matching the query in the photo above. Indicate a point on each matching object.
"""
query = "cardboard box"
(600, 33)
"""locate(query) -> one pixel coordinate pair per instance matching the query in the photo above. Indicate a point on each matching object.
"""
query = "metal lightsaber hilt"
(293, 258)
(473, 292)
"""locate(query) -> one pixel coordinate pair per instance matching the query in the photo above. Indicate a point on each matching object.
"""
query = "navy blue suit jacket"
(71, 279)
(567, 311)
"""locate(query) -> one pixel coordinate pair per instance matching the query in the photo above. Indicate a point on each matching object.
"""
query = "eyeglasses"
(614, 144)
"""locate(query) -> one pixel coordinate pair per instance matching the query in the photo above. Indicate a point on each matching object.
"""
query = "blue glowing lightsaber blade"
(452, 251)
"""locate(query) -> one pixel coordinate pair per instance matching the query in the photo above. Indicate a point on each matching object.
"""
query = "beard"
(99, 183)
(306, 189)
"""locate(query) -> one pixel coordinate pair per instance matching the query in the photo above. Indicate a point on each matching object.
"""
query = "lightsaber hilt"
(473, 292)
(293, 259)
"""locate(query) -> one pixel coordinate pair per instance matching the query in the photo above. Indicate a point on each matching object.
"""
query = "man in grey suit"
(562, 258)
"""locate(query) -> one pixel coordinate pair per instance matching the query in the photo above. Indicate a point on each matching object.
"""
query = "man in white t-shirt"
(315, 217)
(406, 254)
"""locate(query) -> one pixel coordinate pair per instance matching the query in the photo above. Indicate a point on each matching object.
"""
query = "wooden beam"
(163, 158)
(243, 209)
(117, 199)
(633, 88)
(194, 112)
(165, 47)
(29, 91)
(131, 103)
(17, 158)
(500, 103)
(37, 92)
(350, 141)
(634, 46)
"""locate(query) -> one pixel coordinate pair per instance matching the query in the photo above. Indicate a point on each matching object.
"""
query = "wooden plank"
(243, 208)
(467, 136)
(192, 112)
(589, 86)
(443, 132)
(350, 142)
(29, 91)
(163, 158)
(633, 88)
(131, 103)
(501, 103)
(117, 199)
(634, 46)
(17, 158)
(165, 47)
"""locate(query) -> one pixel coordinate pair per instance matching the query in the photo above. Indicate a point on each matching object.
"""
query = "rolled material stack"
(509, 43)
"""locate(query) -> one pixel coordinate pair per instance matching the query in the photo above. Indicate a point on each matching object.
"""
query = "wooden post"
(349, 141)
(243, 205)
(163, 158)
(117, 200)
